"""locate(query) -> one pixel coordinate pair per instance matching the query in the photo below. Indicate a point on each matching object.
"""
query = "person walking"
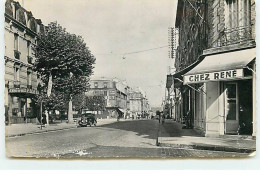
(163, 119)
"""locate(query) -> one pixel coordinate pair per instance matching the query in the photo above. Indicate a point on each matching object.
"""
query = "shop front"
(228, 86)
(20, 106)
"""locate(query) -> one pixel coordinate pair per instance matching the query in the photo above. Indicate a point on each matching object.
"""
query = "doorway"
(245, 107)
(231, 108)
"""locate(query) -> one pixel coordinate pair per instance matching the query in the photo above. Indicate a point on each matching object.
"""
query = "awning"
(225, 66)
(178, 77)
(122, 110)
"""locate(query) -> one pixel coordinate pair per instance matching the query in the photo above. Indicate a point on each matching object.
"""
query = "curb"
(39, 132)
(209, 147)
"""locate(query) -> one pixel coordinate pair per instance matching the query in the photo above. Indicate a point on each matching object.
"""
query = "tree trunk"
(47, 117)
(48, 94)
(70, 113)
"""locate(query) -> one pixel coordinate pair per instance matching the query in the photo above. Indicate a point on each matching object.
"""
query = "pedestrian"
(163, 119)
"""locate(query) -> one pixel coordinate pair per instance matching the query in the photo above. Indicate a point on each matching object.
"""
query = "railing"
(17, 54)
(234, 36)
(17, 84)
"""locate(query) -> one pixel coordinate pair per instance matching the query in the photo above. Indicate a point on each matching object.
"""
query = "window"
(16, 42)
(29, 78)
(238, 18)
(28, 48)
(16, 74)
(96, 85)
(105, 84)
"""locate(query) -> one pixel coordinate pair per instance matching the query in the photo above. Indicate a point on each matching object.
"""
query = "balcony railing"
(235, 36)
(29, 59)
(17, 54)
(17, 84)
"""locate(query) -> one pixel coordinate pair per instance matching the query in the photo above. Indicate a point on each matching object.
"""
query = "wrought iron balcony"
(29, 59)
(17, 84)
(17, 54)
(235, 36)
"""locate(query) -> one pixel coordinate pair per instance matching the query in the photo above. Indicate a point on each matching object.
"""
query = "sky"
(112, 28)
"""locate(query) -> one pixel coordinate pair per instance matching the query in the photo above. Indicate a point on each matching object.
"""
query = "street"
(126, 139)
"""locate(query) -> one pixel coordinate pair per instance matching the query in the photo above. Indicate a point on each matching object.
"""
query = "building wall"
(221, 31)
(193, 33)
(114, 91)
(19, 22)
(212, 112)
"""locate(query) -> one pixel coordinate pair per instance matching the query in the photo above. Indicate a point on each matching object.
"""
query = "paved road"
(125, 139)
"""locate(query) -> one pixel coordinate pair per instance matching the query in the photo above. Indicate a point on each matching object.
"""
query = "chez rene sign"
(213, 76)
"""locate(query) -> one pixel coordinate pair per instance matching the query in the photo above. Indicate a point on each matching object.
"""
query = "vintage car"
(87, 119)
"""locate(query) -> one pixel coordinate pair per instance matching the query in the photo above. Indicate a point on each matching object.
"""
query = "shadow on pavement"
(145, 128)
(174, 129)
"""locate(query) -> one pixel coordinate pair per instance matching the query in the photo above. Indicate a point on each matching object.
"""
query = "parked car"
(87, 119)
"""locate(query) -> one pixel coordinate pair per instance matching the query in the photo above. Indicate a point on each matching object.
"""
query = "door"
(231, 108)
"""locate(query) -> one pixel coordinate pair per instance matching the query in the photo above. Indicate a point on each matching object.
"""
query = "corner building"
(215, 82)
(21, 30)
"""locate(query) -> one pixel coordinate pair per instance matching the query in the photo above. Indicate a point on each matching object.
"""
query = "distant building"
(21, 30)
(115, 93)
(139, 104)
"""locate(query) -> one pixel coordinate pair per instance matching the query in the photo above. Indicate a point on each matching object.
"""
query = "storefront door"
(231, 108)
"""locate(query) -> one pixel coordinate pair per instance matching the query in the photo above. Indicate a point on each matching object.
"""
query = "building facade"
(214, 82)
(115, 93)
(21, 30)
(139, 104)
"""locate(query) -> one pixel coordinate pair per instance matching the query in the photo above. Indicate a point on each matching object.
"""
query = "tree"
(95, 103)
(64, 63)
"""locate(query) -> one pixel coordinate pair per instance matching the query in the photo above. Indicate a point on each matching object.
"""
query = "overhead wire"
(134, 52)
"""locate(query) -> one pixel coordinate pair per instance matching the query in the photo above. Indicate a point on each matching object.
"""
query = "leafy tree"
(95, 103)
(64, 63)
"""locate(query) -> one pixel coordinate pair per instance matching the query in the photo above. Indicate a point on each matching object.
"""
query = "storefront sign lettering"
(213, 76)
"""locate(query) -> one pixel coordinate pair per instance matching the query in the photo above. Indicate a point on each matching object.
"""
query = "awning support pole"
(192, 87)
(250, 69)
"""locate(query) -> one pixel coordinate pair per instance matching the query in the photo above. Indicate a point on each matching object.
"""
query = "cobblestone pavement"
(124, 139)
(148, 153)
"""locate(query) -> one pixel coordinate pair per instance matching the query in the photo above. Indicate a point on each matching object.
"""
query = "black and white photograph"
(123, 79)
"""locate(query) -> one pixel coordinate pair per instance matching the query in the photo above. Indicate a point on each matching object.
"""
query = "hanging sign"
(213, 76)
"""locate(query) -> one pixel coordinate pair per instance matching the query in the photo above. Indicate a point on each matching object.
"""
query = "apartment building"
(21, 30)
(215, 80)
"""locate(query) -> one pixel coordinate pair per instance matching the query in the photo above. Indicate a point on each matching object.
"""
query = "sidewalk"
(172, 135)
(29, 128)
